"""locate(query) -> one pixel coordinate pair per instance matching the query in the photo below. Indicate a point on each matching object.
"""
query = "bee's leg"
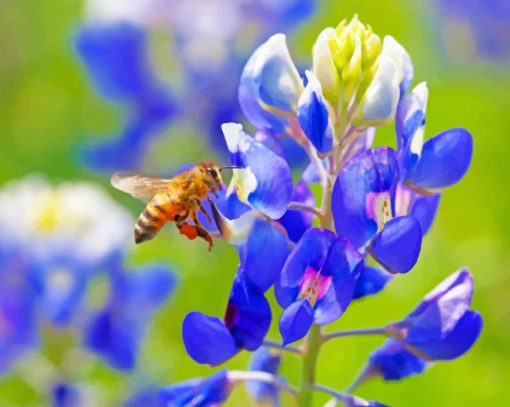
(180, 219)
(196, 202)
(192, 231)
(204, 234)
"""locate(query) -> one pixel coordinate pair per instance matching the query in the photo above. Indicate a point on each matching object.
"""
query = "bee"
(172, 200)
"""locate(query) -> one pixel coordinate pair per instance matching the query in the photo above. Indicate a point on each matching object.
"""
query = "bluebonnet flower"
(363, 208)
(71, 232)
(425, 169)
(115, 331)
(381, 201)
(207, 392)
(316, 283)
(247, 319)
(440, 162)
(265, 360)
(440, 328)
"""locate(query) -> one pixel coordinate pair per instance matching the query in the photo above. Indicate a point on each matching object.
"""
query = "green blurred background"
(48, 107)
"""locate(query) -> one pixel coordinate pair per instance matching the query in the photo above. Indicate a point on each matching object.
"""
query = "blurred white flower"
(71, 219)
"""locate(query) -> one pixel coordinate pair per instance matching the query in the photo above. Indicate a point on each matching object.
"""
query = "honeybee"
(172, 200)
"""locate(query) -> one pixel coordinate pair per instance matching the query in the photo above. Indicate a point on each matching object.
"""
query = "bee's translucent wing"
(138, 185)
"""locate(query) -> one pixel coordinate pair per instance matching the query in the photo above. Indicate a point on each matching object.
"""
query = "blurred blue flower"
(316, 283)
(115, 331)
(247, 319)
(62, 284)
(18, 322)
(264, 360)
(66, 395)
(485, 22)
(208, 392)
(146, 397)
(363, 209)
(116, 57)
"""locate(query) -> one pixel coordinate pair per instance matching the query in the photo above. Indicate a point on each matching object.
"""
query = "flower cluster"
(376, 206)
(57, 241)
(115, 42)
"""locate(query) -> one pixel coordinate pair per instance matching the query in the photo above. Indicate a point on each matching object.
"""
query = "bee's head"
(211, 174)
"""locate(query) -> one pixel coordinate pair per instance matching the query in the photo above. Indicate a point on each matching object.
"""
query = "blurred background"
(68, 124)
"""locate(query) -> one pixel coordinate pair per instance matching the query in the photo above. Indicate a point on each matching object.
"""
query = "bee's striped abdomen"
(150, 221)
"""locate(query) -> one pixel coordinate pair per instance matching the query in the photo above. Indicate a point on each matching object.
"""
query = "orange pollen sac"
(189, 231)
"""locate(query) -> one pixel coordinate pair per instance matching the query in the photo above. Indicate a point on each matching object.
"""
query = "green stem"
(312, 347)
(356, 332)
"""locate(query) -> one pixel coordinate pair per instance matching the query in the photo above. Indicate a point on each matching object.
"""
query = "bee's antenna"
(230, 167)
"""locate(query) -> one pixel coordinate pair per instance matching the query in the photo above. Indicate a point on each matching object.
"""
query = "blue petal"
(265, 180)
(264, 254)
(457, 342)
(270, 141)
(441, 309)
(369, 174)
(228, 204)
(410, 127)
(248, 315)
(371, 281)
(207, 339)
(270, 84)
(311, 251)
(444, 160)
(398, 245)
(393, 362)
(114, 338)
(298, 222)
(344, 264)
(295, 322)
(295, 155)
(422, 207)
(313, 115)
(264, 361)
